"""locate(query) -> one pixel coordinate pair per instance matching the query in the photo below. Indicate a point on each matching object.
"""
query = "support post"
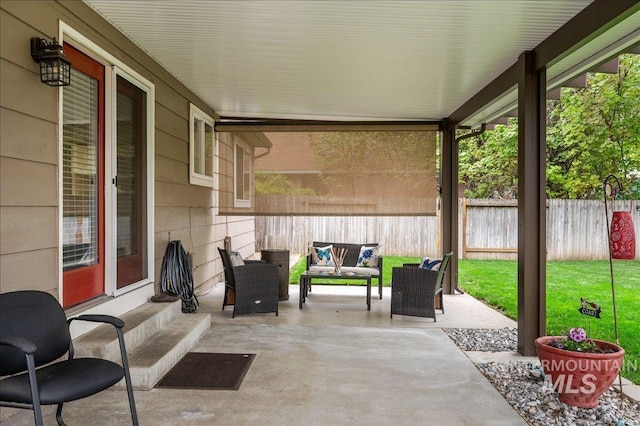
(449, 203)
(531, 204)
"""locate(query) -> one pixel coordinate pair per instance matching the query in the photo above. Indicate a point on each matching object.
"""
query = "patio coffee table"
(307, 276)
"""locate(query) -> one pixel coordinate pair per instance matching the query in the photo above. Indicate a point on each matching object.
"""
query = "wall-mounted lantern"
(55, 68)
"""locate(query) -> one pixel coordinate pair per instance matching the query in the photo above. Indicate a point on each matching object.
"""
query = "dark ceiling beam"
(595, 19)
(237, 124)
(609, 67)
(635, 50)
(579, 82)
(555, 94)
(500, 120)
(590, 23)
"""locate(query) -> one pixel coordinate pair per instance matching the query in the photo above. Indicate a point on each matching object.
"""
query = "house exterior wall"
(30, 202)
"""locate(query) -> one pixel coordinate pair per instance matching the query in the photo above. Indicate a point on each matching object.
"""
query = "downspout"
(263, 154)
(473, 134)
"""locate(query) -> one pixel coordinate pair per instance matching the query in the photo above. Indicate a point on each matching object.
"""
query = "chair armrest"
(410, 265)
(119, 325)
(253, 261)
(116, 322)
(26, 346)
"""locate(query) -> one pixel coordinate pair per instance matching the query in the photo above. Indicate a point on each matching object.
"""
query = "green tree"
(595, 132)
(591, 133)
(489, 163)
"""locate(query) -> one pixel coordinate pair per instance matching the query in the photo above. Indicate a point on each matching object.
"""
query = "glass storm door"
(83, 180)
(131, 184)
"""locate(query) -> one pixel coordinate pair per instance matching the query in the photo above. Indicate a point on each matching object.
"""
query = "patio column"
(449, 203)
(531, 203)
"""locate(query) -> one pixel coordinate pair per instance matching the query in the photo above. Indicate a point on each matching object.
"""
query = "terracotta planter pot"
(578, 377)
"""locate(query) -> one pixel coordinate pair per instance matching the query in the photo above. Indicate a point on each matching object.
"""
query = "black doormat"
(199, 370)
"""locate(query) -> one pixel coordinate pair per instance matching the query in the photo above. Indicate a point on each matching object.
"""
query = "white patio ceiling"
(353, 60)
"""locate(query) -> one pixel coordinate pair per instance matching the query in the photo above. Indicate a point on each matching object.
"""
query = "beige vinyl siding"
(28, 164)
(37, 269)
(29, 200)
(26, 228)
(17, 128)
(27, 183)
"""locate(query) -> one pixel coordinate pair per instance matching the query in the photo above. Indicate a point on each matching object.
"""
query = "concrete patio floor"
(331, 363)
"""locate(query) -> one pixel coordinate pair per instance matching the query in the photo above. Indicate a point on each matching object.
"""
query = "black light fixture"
(55, 68)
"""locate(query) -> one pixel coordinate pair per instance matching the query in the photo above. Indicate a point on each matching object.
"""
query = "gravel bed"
(533, 397)
(537, 402)
(484, 339)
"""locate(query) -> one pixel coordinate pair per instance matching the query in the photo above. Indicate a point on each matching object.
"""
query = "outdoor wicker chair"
(251, 286)
(417, 291)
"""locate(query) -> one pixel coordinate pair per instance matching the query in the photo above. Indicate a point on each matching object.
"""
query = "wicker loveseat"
(350, 263)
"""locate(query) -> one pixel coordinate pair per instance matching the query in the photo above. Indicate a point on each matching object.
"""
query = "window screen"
(347, 173)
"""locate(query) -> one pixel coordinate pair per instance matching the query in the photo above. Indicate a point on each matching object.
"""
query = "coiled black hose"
(176, 278)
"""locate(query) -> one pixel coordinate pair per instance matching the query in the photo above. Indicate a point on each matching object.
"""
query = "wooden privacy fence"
(488, 229)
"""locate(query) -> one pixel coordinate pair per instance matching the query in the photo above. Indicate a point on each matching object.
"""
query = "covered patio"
(344, 66)
(287, 66)
(331, 363)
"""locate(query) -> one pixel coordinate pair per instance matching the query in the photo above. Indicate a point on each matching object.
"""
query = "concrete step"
(157, 336)
(150, 361)
(139, 324)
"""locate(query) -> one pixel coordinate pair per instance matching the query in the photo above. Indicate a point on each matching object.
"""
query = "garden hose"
(176, 277)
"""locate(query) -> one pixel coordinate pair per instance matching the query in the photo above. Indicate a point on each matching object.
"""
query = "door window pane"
(131, 184)
(79, 175)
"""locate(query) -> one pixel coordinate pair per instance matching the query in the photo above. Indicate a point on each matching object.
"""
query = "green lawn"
(495, 281)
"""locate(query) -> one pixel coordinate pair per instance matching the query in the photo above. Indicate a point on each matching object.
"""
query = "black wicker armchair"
(417, 291)
(251, 285)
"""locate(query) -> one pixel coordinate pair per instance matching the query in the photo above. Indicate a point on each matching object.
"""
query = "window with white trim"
(202, 148)
(242, 175)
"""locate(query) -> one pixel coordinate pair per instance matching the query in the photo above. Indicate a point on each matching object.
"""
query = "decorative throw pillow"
(368, 257)
(321, 256)
(433, 264)
(236, 259)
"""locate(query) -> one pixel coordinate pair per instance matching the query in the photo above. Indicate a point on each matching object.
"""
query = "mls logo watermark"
(573, 375)
(587, 385)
